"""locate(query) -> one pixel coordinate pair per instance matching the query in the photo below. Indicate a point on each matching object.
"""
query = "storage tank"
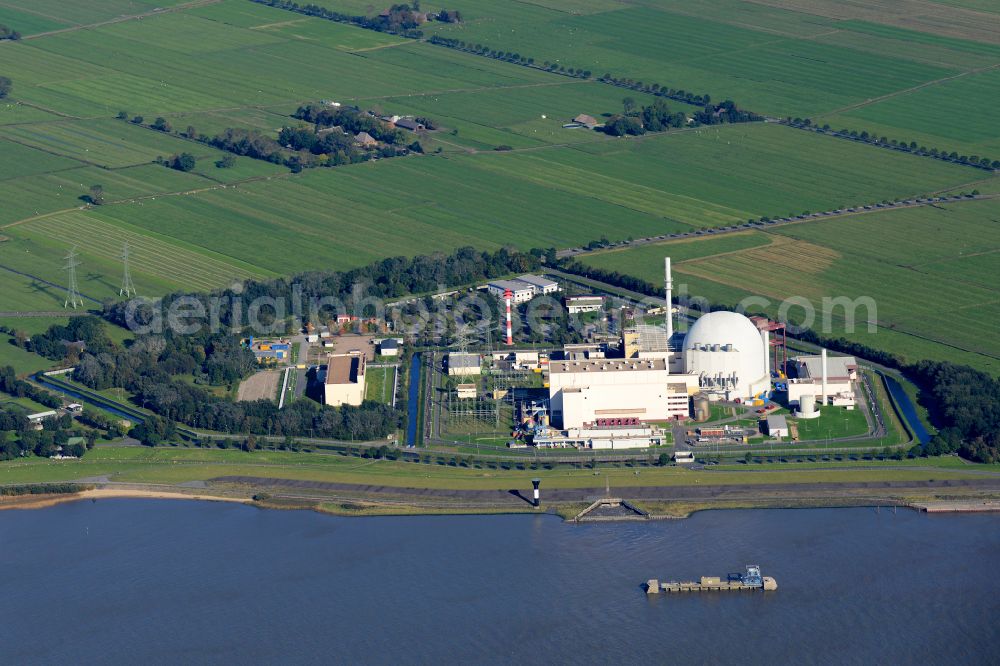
(807, 407)
(702, 408)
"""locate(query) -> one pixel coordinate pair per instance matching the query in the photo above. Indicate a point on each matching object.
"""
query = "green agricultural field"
(20, 160)
(14, 113)
(24, 294)
(107, 143)
(785, 73)
(183, 63)
(951, 248)
(655, 185)
(938, 116)
(84, 13)
(63, 190)
(23, 362)
(157, 264)
(792, 59)
(529, 116)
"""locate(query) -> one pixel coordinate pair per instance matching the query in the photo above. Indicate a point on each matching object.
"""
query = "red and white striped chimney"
(507, 296)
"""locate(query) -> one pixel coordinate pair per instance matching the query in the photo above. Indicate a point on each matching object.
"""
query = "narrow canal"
(413, 401)
(908, 410)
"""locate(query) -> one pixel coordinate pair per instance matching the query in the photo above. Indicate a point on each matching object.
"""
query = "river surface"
(160, 581)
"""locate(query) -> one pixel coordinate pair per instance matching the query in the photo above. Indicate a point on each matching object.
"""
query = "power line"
(73, 298)
(128, 287)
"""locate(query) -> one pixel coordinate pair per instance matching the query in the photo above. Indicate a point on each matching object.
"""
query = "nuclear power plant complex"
(628, 392)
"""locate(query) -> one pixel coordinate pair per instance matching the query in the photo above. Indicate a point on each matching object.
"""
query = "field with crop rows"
(794, 58)
(945, 262)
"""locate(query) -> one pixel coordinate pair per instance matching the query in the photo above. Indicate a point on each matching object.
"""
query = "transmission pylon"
(128, 287)
(73, 298)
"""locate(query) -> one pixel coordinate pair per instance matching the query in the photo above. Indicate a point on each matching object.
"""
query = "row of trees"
(5, 86)
(507, 56)
(726, 112)
(400, 19)
(896, 144)
(964, 402)
(6, 32)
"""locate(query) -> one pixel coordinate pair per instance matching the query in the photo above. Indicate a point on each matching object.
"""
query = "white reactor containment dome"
(729, 355)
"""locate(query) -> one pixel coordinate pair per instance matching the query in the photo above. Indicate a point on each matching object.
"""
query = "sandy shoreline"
(43, 501)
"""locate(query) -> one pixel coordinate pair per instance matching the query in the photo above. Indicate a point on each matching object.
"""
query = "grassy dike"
(160, 471)
(169, 465)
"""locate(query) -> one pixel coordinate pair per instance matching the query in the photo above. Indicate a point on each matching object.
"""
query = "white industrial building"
(777, 426)
(463, 364)
(633, 436)
(729, 356)
(580, 304)
(345, 380)
(523, 288)
(389, 347)
(828, 380)
(521, 292)
(543, 286)
(581, 392)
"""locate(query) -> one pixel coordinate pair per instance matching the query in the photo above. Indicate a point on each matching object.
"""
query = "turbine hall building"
(583, 391)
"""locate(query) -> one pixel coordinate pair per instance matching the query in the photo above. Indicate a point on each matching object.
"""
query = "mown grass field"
(793, 58)
(176, 465)
(22, 361)
(555, 197)
(938, 297)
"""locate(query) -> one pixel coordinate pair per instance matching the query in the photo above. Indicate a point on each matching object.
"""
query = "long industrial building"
(581, 392)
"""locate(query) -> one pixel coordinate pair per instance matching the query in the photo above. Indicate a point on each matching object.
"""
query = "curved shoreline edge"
(369, 506)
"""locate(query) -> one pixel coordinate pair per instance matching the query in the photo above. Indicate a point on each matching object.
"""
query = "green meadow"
(945, 263)
(798, 59)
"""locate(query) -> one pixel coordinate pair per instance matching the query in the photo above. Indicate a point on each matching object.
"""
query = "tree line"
(6, 32)
(964, 403)
(912, 147)
(400, 19)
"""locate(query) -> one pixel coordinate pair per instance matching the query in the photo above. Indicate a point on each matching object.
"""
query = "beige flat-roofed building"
(345, 380)
(581, 392)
